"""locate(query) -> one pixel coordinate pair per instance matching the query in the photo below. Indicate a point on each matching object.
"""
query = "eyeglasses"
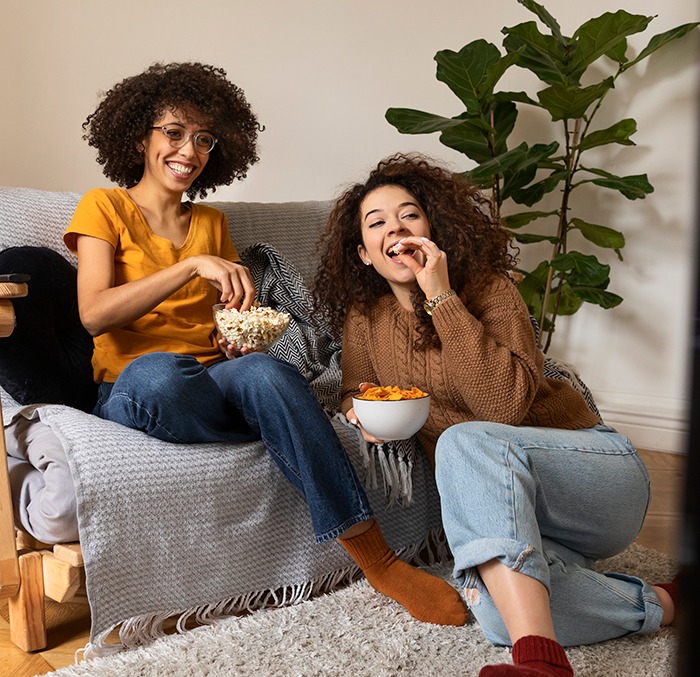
(203, 142)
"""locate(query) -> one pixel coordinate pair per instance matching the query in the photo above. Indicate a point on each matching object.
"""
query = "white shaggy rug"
(358, 632)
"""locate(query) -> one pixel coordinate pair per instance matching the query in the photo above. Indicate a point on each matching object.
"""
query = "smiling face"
(389, 214)
(173, 169)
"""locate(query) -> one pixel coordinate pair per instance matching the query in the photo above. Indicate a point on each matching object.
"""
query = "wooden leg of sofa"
(27, 621)
(61, 580)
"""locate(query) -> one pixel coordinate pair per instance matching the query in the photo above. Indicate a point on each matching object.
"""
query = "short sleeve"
(94, 216)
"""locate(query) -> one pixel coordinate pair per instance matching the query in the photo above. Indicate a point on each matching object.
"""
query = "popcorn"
(257, 328)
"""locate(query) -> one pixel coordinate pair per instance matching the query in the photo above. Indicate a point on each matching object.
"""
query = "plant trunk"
(561, 239)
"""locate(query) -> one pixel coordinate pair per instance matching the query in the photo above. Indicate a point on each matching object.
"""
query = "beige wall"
(321, 73)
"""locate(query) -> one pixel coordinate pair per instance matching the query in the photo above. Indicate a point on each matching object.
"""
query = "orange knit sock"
(426, 597)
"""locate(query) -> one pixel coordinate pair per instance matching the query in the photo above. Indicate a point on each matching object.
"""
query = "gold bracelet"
(430, 305)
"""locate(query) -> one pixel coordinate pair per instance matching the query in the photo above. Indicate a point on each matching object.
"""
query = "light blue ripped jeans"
(548, 503)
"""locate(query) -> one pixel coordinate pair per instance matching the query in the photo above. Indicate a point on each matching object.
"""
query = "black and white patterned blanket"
(315, 354)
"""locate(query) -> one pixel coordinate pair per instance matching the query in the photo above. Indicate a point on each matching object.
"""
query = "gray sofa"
(175, 530)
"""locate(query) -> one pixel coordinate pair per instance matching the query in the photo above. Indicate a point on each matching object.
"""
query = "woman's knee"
(158, 373)
(465, 439)
(264, 372)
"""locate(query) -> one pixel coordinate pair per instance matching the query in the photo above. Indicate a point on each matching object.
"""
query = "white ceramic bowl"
(258, 328)
(392, 419)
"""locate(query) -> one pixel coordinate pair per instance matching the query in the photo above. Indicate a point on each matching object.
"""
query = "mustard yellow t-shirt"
(183, 323)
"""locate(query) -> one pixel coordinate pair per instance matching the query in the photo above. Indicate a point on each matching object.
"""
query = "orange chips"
(391, 393)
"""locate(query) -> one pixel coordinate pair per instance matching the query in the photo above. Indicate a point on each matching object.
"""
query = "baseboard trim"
(658, 428)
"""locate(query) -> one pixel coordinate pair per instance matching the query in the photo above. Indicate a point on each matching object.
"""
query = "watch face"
(428, 307)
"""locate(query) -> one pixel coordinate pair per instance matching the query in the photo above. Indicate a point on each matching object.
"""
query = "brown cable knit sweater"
(488, 368)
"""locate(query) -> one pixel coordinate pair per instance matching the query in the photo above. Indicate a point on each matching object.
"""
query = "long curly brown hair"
(461, 225)
(127, 112)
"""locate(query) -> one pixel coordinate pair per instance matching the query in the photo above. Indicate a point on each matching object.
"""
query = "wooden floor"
(68, 625)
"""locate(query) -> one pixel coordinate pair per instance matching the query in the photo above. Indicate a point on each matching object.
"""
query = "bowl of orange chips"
(392, 413)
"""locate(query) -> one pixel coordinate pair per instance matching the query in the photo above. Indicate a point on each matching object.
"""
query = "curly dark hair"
(127, 112)
(461, 225)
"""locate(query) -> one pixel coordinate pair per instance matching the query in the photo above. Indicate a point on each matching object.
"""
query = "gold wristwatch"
(430, 305)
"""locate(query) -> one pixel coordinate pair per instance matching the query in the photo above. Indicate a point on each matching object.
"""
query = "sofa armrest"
(9, 290)
(9, 563)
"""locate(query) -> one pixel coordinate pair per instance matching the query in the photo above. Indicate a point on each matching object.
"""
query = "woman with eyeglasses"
(150, 268)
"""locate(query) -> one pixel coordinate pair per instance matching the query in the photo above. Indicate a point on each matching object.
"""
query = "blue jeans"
(174, 398)
(548, 503)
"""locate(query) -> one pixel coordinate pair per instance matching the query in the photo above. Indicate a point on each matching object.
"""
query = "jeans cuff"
(342, 528)
(516, 555)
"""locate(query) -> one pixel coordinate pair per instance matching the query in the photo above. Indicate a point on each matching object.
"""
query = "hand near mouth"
(432, 277)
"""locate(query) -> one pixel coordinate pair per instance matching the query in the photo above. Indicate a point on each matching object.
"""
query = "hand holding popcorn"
(257, 329)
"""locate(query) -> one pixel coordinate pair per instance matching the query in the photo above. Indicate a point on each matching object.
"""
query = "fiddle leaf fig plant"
(527, 173)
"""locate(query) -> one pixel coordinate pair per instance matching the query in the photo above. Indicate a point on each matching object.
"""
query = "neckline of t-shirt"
(144, 222)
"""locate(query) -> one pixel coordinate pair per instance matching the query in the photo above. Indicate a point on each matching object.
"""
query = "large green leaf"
(522, 219)
(466, 72)
(635, 187)
(529, 238)
(554, 163)
(497, 165)
(600, 297)
(494, 74)
(546, 18)
(660, 40)
(464, 140)
(567, 102)
(517, 97)
(600, 235)
(541, 54)
(583, 269)
(475, 141)
(505, 113)
(567, 302)
(534, 193)
(533, 286)
(620, 133)
(523, 171)
(409, 121)
(600, 35)
(532, 289)
(618, 52)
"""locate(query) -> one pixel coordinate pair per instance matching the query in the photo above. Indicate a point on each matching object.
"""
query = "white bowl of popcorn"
(258, 328)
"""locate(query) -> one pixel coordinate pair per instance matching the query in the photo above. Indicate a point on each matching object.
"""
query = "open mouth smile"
(179, 169)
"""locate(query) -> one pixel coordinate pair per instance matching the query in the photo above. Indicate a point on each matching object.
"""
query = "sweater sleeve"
(356, 362)
(489, 350)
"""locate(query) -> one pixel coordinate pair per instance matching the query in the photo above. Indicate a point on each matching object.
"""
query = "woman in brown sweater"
(534, 487)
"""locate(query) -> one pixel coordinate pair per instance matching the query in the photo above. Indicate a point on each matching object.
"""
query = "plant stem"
(495, 179)
(562, 229)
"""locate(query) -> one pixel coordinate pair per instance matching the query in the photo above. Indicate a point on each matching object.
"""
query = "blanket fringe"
(143, 630)
(396, 466)
(394, 460)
